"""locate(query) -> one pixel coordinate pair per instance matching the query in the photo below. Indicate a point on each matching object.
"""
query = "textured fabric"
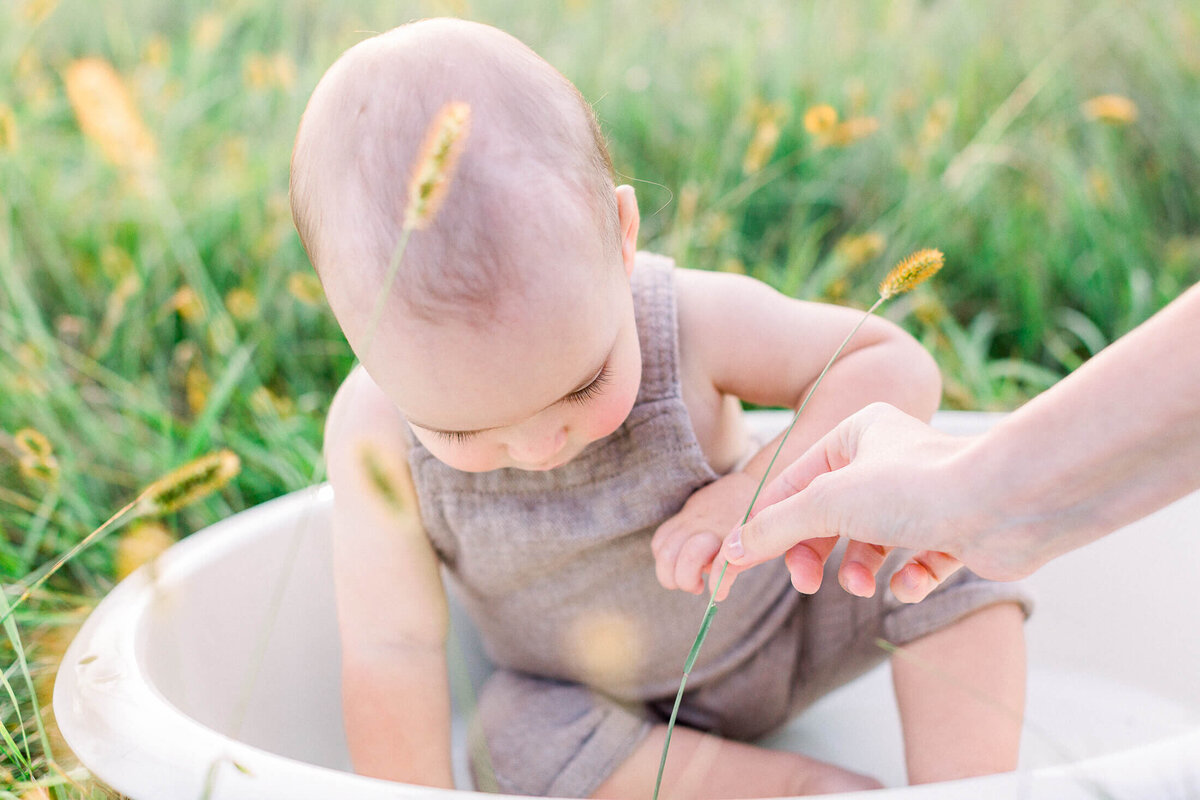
(556, 572)
(548, 563)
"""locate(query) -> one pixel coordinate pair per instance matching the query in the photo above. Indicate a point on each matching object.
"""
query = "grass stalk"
(910, 272)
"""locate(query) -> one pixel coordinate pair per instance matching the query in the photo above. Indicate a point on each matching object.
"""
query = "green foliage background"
(1061, 231)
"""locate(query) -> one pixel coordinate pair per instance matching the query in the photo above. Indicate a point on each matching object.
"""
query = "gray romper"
(556, 572)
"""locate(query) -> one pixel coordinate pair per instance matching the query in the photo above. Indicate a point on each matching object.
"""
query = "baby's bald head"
(532, 189)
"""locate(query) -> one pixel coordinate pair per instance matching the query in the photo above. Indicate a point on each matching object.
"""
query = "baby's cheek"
(466, 457)
(609, 414)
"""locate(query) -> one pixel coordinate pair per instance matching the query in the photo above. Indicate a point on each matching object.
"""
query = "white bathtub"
(216, 674)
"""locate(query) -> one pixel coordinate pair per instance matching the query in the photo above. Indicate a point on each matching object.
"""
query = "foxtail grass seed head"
(383, 481)
(187, 484)
(913, 270)
(39, 468)
(107, 114)
(439, 156)
(32, 442)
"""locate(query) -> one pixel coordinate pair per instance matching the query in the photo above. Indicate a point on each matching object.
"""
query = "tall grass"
(151, 313)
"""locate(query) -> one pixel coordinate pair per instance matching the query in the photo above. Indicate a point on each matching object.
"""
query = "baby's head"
(515, 299)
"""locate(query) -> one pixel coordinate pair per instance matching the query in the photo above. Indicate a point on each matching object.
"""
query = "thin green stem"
(386, 289)
(113, 522)
(711, 610)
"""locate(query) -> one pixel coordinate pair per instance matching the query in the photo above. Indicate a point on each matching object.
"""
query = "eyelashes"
(578, 397)
(592, 389)
(456, 437)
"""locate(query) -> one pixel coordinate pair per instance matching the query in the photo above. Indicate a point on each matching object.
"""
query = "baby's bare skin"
(547, 365)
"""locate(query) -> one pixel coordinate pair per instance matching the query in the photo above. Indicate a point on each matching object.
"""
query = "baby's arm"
(961, 693)
(739, 337)
(392, 612)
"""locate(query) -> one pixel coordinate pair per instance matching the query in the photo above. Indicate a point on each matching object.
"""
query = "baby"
(564, 411)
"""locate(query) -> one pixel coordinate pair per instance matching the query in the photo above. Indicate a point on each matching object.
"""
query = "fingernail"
(733, 546)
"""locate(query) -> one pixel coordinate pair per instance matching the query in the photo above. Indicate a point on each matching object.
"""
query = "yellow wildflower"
(196, 385)
(242, 304)
(1114, 109)
(862, 248)
(207, 33)
(142, 543)
(820, 119)
(9, 138)
(305, 287)
(107, 114)
(766, 136)
(852, 130)
(187, 303)
(36, 11)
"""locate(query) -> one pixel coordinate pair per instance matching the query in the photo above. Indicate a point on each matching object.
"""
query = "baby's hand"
(684, 546)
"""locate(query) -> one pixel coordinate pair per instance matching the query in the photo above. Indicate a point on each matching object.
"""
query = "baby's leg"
(706, 767)
(961, 692)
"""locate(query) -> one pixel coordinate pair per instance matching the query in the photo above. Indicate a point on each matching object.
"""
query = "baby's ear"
(629, 220)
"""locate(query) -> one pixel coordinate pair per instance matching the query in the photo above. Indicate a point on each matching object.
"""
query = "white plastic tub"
(216, 673)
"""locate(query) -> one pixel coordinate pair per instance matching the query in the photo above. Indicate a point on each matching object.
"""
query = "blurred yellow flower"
(242, 304)
(936, 121)
(187, 304)
(262, 72)
(207, 33)
(9, 139)
(107, 114)
(36, 11)
(606, 647)
(197, 385)
(1114, 109)
(768, 119)
(860, 249)
(157, 52)
(143, 542)
(305, 287)
(820, 119)
(1099, 186)
(852, 130)
(266, 403)
(115, 262)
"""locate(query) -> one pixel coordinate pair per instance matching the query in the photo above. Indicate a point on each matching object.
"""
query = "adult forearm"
(1112, 442)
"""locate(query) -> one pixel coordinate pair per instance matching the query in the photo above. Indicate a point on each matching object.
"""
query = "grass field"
(155, 304)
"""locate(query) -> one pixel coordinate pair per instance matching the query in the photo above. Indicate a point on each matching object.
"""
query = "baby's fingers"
(922, 574)
(694, 559)
(725, 572)
(860, 565)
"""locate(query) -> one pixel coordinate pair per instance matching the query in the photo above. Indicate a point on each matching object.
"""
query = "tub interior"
(241, 635)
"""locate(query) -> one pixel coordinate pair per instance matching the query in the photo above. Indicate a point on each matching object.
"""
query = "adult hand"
(882, 479)
(1110, 443)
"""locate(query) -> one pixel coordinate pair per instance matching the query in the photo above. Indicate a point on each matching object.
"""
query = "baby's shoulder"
(716, 308)
(360, 411)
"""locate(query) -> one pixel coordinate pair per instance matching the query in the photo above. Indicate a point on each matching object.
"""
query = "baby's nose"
(537, 448)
